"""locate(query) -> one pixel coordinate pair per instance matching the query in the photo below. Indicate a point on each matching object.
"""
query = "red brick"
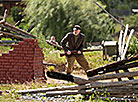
(22, 70)
(24, 73)
(5, 54)
(15, 52)
(13, 70)
(29, 40)
(30, 70)
(30, 61)
(20, 42)
(28, 58)
(15, 45)
(28, 49)
(16, 67)
(30, 52)
(27, 67)
(29, 55)
(15, 73)
(22, 61)
(18, 49)
(1, 73)
(20, 64)
(32, 46)
(18, 57)
(25, 46)
(8, 57)
(8, 66)
(4, 70)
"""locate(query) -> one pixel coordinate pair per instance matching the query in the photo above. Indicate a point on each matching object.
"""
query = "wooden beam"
(11, 34)
(135, 10)
(93, 72)
(81, 87)
(19, 30)
(125, 50)
(112, 76)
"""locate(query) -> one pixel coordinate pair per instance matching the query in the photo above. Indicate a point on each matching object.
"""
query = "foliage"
(5, 49)
(58, 17)
(133, 47)
(132, 20)
(16, 13)
(120, 7)
(52, 55)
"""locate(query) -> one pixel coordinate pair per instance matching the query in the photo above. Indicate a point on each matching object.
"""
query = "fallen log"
(61, 76)
(95, 71)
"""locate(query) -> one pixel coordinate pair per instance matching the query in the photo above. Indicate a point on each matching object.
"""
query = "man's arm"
(64, 42)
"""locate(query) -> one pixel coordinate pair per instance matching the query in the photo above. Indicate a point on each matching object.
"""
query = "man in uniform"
(74, 41)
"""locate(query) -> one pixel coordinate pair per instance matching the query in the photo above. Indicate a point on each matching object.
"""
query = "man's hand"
(68, 52)
(79, 52)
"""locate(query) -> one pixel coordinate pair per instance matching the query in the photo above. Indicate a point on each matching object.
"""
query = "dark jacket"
(68, 42)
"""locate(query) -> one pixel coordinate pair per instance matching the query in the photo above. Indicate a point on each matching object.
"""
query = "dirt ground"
(61, 68)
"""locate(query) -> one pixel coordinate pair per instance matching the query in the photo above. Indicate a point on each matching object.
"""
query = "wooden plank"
(93, 72)
(11, 34)
(19, 30)
(124, 39)
(81, 87)
(123, 67)
(93, 91)
(125, 50)
(112, 76)
(120, 45)
(8, 41)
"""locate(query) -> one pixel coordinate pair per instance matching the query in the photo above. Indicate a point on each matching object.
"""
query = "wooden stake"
(124, 38)
(125, 50)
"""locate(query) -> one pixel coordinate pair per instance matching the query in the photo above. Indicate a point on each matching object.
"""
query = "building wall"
(23, 63)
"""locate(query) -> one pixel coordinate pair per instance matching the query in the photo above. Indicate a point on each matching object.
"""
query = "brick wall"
(23, 63)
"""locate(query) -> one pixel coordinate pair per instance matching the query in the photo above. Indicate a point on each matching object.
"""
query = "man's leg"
(83, 62)
(70, 63)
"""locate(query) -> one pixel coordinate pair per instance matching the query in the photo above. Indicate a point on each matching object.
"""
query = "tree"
(57, 17)
(120, 7)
